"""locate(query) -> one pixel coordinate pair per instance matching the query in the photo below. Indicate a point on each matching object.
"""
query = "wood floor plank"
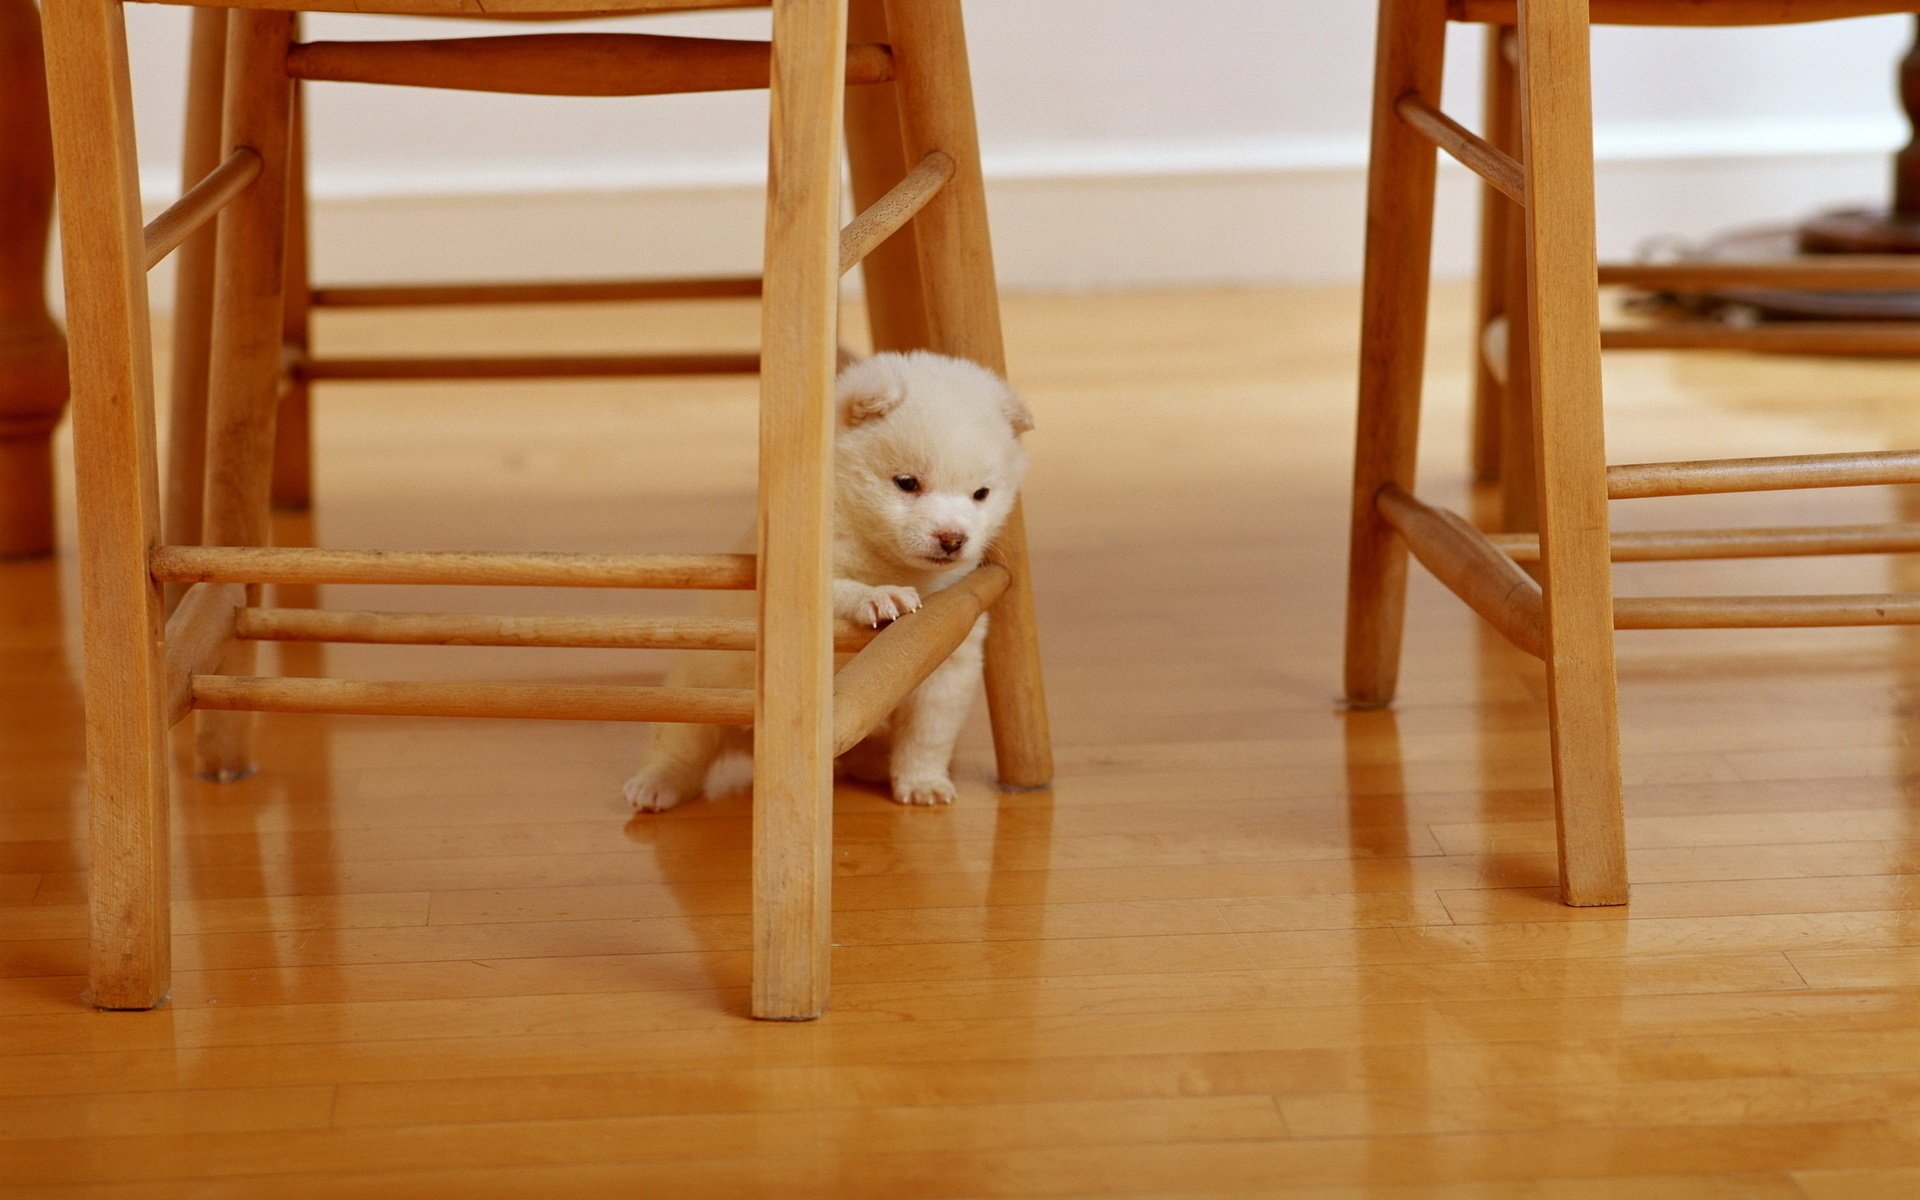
(1249, 945)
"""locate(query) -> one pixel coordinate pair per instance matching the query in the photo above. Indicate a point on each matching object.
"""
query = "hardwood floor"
(1250, 944)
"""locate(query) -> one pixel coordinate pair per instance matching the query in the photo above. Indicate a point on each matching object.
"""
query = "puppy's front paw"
(884, 604)
(931, 789)
(649, 793)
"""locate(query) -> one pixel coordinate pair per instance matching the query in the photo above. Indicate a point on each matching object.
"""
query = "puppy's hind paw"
(933, 790)
(648, 793)
(884, 604)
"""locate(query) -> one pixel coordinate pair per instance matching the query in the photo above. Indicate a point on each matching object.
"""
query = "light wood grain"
(526, 366)
(1494, 165)
(500, 568)
(1765, 612)
(126, 752)
(1234, 891)
(557, 291)
(1556, 116)
(1671, 545)
(1499, 100)
(878, 678)
(1401, 171)
(243, 389)
(876, 161)
(564, 64)
(192, 341)
(199, 633)
(475, 629)
(1863, 338)
(559, 702)
(1690, 12)
(935, 87)
(201, 203)
(1708, 476)
(793, 688)
(1461, 557)
(887, 215)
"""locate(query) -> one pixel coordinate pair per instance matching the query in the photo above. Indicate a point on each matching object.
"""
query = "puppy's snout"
(952, 541)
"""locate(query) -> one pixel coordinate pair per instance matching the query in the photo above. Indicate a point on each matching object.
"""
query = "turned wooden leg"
(793, 704)
(33, 355)
(119, 503)
(1393, 334)
(963, 319)
(244, 383)
(1557, 128)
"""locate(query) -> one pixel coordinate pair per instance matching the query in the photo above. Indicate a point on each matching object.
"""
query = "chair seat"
(504, 9)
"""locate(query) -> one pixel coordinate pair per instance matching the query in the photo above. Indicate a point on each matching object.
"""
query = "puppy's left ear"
(1016, 411)
(869, 390)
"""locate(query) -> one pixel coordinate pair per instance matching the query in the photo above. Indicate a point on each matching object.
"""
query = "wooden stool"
(1539, 156)
(144, 672)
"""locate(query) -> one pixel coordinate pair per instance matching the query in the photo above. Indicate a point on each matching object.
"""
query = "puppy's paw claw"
(924, 791)
(884, 604)
(648, 794)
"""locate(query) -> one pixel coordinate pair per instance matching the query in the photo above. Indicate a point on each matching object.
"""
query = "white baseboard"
(1285, 211)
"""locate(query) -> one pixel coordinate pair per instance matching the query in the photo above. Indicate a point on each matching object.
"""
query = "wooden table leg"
(33, 354)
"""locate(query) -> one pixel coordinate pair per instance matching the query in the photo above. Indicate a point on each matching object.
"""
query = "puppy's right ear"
(868, 391)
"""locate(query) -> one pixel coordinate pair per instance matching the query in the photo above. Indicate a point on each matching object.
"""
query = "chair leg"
(963, 319)
(896, 304)
(793, 695)
(1393, 329)
(1519, 463)
(193, 292)
(293, 427)
(245, 378)
(118, 489)
(1557, 125)
(1496, 213)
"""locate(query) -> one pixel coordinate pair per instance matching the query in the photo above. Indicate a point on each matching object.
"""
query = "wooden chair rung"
(1827, 272)
(559, 366)
(307, 565)
(1677, 545)
(553, 291)
(1714, 476)
(526, 701)
(1480, 156)
(477, 629)
(564, 64)
(1688, 13)
(885, 216)
(201, 203)
(198, 634)
(879, 677)
(1891, 339)
(1462, 558)
(1765, 612)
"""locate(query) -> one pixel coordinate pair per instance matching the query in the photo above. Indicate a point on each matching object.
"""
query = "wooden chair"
(1538, 155)
(144, 671)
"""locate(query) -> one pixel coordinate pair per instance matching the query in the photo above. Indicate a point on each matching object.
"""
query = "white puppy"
(927, 463)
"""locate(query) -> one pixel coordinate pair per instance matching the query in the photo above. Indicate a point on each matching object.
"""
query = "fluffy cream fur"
(927, 463)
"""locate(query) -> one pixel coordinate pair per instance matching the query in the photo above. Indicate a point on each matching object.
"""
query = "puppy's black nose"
(951, 541)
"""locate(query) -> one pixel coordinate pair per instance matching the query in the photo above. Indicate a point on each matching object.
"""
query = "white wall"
(1129, 142)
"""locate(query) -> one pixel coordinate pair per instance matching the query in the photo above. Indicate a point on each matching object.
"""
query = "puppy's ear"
(1017, 413)
(867, 391)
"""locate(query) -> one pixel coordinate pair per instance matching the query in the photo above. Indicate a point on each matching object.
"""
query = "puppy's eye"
(906, 483)
(981, 494)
